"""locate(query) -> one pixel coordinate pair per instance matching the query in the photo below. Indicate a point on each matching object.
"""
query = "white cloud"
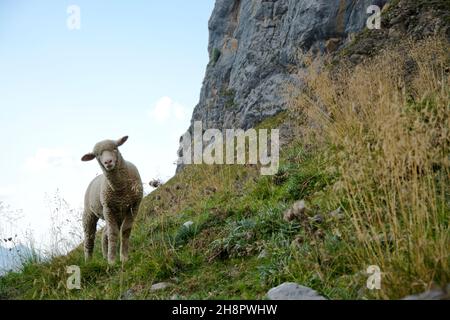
(6, 191)
(45, 173)
(46, 158)
(167, 109)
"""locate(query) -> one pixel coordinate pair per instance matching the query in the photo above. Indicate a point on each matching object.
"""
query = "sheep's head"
(107, 153)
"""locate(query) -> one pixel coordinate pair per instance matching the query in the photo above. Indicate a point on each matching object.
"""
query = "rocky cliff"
(254, 47)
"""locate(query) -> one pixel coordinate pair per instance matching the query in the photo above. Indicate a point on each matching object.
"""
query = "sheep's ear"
(122, 140)
(88, 157)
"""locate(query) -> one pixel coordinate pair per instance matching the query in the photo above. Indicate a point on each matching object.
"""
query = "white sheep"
(114, 196)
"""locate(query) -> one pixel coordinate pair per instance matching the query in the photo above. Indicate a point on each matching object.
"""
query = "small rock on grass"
(293, 291)
(432, 294)
(337, 214)
(127, 295)
(297, 210)
(160, 286)
(188, 224)
(263, 254)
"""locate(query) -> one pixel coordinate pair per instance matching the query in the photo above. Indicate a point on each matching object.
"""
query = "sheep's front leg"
(126, 231)
(89, 227)
(112, 227)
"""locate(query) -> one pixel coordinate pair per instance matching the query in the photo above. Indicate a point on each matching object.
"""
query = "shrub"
(215, 56)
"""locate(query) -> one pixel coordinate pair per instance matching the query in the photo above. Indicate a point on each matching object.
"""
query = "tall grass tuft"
(385, 127)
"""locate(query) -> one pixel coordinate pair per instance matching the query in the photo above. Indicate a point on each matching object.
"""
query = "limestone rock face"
(254, 49)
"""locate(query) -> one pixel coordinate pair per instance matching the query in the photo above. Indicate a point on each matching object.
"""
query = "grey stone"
(337, 214)
(263, 254)
(432, 294)
(293, 291)
(127, 295)
(188, 224)
(356, 58)
(296, 212)
(160, 286)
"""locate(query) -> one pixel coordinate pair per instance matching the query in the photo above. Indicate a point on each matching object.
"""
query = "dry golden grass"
(385, 125)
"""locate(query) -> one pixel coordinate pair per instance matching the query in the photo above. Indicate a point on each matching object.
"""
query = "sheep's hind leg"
(105, 243)
(90, 227)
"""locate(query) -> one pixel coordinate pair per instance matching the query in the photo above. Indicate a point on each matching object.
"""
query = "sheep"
(115, 197)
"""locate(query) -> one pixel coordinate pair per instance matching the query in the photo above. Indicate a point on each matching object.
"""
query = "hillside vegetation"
(372, 140)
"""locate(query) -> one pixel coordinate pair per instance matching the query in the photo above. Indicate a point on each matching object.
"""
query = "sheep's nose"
(108, 161)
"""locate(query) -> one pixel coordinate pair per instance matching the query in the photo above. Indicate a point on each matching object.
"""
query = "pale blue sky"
(135, 68)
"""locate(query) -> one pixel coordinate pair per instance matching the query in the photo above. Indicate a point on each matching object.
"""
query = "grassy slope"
(237, 214)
